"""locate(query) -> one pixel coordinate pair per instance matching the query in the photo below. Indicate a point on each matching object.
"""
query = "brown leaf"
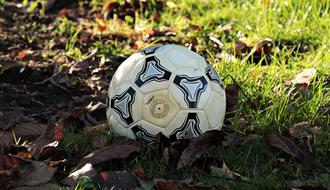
(99, 141)
(304, 132)
(107, 153)
(264, 47)
(9, 170)
(15, 172)
(29, 129)
(298, 184)
(198, 146)
(300, 152)
(235, 138)
(24, 54)
(277, 163)
(223, 169)
(163, 184)
(51, 134)
(48, 186)
(8, 119)
(6, 140)
(51, 151)
(285, 144)
(241, 48)
(232, 91)
(35, 173)
(117, 180)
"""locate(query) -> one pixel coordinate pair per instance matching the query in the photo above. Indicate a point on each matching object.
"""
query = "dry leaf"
(298, 184)
(35, 173)
(107, 153)
(8, 119)
(86, 170)
(241, 48)
(285, 144)
(298, 151)
(305, 77)
(232, 91)
(263, 47)
(46, 186)
(198, 146)
(163, 184)
(99, 141)
(117, 180)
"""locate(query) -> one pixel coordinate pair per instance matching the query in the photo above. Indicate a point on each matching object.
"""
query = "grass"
(300, 31)
(292, 25)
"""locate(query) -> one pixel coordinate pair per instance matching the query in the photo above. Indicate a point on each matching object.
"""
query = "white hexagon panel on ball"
(159, 108)
(190, 88)
(115, 126)
(125, 104)
(215, 110)
(187, 124)
(182, 57)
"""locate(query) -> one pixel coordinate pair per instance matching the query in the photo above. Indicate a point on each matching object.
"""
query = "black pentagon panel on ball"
(152, 71)
(122, 104)
(191, 87)
(150, 50)
(190, 127)
(143, 134)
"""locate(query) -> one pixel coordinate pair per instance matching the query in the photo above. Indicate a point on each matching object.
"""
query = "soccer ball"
(168, 89)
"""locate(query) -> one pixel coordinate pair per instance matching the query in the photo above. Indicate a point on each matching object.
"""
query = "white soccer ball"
(168, 89)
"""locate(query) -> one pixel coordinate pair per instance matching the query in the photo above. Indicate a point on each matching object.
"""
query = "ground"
(57, 60)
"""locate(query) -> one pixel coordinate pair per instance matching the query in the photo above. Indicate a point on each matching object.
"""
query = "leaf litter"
(43, 123)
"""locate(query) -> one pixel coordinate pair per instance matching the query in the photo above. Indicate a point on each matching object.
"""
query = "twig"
(48, 79)
(60, 86)
(232, 78)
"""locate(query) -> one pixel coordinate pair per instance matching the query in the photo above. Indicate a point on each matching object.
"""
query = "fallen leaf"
(48, 186)
(305, 77)
(99, 141)
(51, 151)
(116, 180)
(29, 129)
(35, 173)
(8, 119)
(277, 163)
(298, 184)
(234, 138)
(226, 28)
(51, 134)
(232, 91)
(299, 152)
(163, 184)
(216, 41)
(222, 169)
(6, 140)
(285, 144)
(24, 54)
(303, 129)
(15, 172)
(107, 153)
(86, 170)
(263, 47)
(9, 170)
(241, 48)
(200, 145)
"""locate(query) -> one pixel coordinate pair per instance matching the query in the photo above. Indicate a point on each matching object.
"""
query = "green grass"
(292, 25)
